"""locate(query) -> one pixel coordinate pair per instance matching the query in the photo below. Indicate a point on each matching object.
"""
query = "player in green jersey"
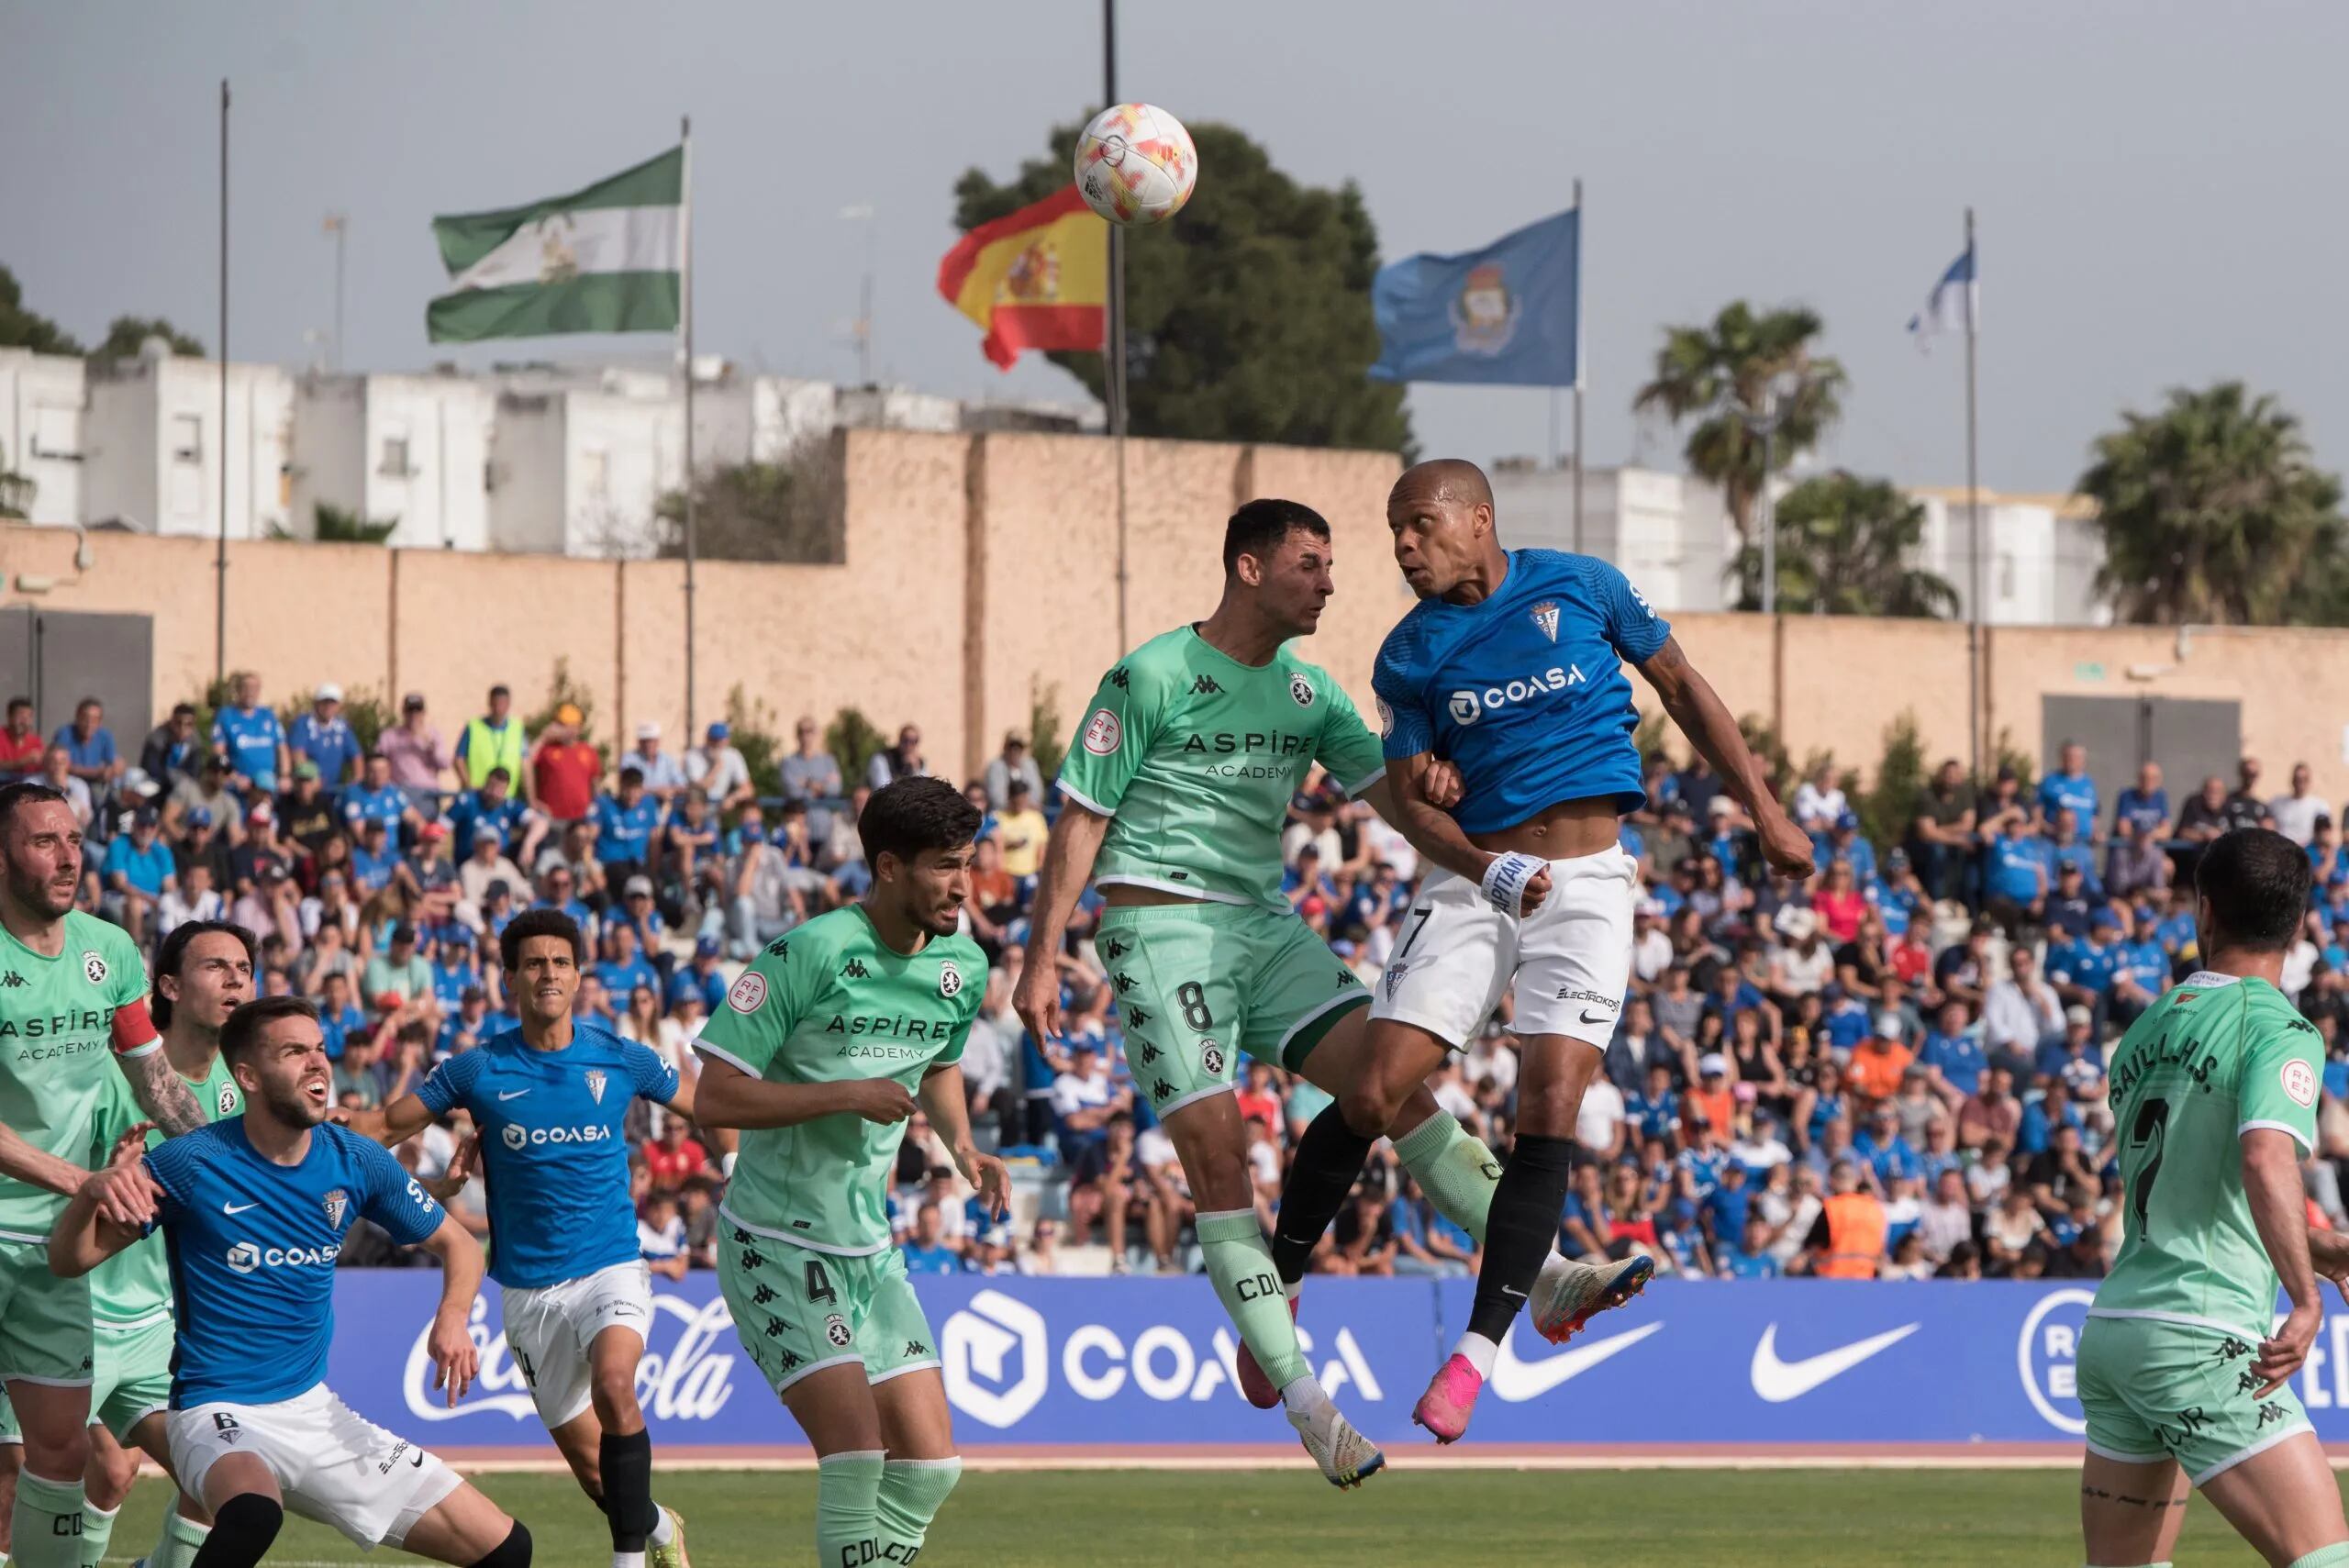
(72, 991)
(2184, 1377)
(203, 970)
(1177, 787)
(826, 1044)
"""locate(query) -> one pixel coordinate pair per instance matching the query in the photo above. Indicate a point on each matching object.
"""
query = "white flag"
(1954, 304)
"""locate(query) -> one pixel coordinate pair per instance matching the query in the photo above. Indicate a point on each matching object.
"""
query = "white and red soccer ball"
(1135, 164)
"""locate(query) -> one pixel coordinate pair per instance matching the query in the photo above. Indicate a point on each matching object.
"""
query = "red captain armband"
(133, 1032)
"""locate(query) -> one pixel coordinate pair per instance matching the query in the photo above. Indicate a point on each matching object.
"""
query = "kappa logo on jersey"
(1136, 1018)
(1300, 691)
(749, 993)
(1103, 733)
(1114, 949)
(597, 1078)
(950, 978)
(93, 968)
(13, 980)
(338, 1204)
(2299, 1082)
(854, 970)
(1468, 707)
(1205, 687)
(779, 948)
(1545, 615)
(1118, 677)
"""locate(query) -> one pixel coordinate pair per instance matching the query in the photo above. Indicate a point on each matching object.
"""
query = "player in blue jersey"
(1510, 668)
(548, 1101)
(254, 1212)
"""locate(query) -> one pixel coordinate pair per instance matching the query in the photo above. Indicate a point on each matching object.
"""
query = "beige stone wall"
(980, 568)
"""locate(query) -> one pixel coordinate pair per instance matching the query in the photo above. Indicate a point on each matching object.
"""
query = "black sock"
(241, 1531)
(1328, 1161)
(514, 1551)
(627, 1463)
(1521, 1230)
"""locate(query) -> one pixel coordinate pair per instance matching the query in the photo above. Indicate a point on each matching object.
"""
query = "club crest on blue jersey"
(1545, 615)
(337, 1203)
(595, 1080)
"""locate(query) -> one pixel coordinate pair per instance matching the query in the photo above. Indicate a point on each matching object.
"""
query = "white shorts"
(549, 1329)
(1567, 965)
(332, 1465)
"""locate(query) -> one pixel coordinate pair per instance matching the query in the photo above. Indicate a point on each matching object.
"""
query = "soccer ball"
(1135, 164)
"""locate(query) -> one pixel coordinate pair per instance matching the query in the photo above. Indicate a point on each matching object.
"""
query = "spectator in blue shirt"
(624, 827)
(1427, 1246)
(1844, 843)
(375, 798)
(2069, 785)
(494, 804)
(2082, 971)
(623, 968)
(374, 858)
(2065, 848)
(2015, 878)
(468, 1027)
(925, 1251)
(2141, 810)
(1654, 1110)
(90, 745)
(1953, 1055)
(1726, 1207)
(2068, 909)
(249, 736)
(1887, 1153)
(2143, 973)
(339, 1018)
(703, 975)
(1750, 1256)
(139, 870)
(2042, 1116)
(326, 738)
(556, 891)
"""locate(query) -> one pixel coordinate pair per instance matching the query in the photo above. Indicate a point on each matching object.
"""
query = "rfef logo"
(2047, 1358)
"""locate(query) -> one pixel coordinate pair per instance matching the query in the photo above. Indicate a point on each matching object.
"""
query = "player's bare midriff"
(1119, 895)
(1564, 830)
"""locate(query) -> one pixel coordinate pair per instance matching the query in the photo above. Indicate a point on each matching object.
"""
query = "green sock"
(1241, 1265)
(1456, 1171)
(848, 1487)
(46, 1528)
(182, 1538)
(2331, 1556)
(912, 1491)
(98, 1528)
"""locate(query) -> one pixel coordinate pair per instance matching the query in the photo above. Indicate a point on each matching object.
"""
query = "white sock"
(1481, 1352)
(628, 1560)
(1304, 1395)
(663, 1529)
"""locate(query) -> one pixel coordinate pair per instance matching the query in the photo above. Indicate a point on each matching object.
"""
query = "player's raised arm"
(1699, 712)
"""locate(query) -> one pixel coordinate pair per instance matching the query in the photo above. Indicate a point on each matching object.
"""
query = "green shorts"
(797, 1311)
(2154, 1390)
(1199, 984)
(131, 1380)
(44, 1322)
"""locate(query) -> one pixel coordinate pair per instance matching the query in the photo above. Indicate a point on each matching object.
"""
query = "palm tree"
(2213, 511)
(1739, 356)
(1843, 549)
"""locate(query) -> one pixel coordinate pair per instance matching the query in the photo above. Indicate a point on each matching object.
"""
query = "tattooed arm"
(162, 1094)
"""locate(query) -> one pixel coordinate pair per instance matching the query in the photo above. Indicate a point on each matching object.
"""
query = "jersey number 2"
(2148, 1132)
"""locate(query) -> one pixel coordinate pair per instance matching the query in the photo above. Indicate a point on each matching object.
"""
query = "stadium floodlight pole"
(1763, 422)
(1974, 628)
(220, 554)
(1114, 332)
(686, 357)
(338, 225)
(1580, 234)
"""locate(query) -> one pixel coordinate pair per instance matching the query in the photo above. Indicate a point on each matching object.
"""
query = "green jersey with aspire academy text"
(2216, 1057)
(831, 1002)
(1193, 757)
(135, 1284)
(57, 1050)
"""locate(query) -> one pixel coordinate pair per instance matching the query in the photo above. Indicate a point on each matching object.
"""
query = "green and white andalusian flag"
(607, 259)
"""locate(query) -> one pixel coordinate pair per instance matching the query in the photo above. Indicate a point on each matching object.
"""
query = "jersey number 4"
(2147, 1135)
(820, 1287)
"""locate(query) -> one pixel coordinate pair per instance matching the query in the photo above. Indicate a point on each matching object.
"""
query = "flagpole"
(1578, 376)
(220, 554)
(1973, 630)
(685, 341)
(1115, 324)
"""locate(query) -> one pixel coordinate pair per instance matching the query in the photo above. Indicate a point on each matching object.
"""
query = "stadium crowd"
(1896, 1070)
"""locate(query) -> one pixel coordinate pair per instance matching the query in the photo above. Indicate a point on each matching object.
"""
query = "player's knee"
(63, 1452)
(514, 1551)
(613, 1394)
(1370, 1103)
(245, 1526)
(107, 1480)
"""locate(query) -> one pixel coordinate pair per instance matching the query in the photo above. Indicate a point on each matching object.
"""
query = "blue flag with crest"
(1509, 314)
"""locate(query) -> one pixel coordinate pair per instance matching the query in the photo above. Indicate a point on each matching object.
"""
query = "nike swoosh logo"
(239, 1207)
(1512, 1290)
(1588, 1020)
(505, 1094)
(1517, 1381)
(1778, 1381)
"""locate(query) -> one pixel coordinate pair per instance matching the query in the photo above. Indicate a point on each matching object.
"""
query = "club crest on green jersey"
(950, 978)
(93, 967)
(1300, 690)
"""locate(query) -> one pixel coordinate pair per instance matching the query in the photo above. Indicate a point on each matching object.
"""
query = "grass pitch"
(1687, 1519)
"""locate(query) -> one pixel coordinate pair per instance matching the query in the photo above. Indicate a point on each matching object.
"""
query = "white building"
(579, 470)
(152, 450)
(2040, 555)
(41, 397)
(740, 417)
(414, 450)
(1671, 535)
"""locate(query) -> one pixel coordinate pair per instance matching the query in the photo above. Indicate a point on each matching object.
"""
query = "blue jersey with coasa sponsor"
(253, 1246)
(1524, 692)
(552, 1150)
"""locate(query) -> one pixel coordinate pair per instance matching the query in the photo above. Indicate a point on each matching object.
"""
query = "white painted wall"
(42, 424)
(154, 452)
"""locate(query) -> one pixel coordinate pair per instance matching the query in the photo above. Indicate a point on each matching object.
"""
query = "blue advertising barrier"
(1142, 1361)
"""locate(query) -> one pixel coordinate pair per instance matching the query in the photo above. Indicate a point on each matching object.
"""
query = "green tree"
(752, 729)
(1887, 808)
(2214, 510)
(1248, 317)
(1739, 354)
(127, 336)
(854, 742)
(1843, 548)
(20, 329)
(789, 511)
(331, 524)
(1047, 741)
(15, 495)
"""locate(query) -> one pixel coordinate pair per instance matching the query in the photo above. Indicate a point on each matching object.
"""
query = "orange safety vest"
(1855, 1229)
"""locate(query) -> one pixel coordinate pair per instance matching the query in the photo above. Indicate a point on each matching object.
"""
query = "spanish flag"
(1037, 279)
